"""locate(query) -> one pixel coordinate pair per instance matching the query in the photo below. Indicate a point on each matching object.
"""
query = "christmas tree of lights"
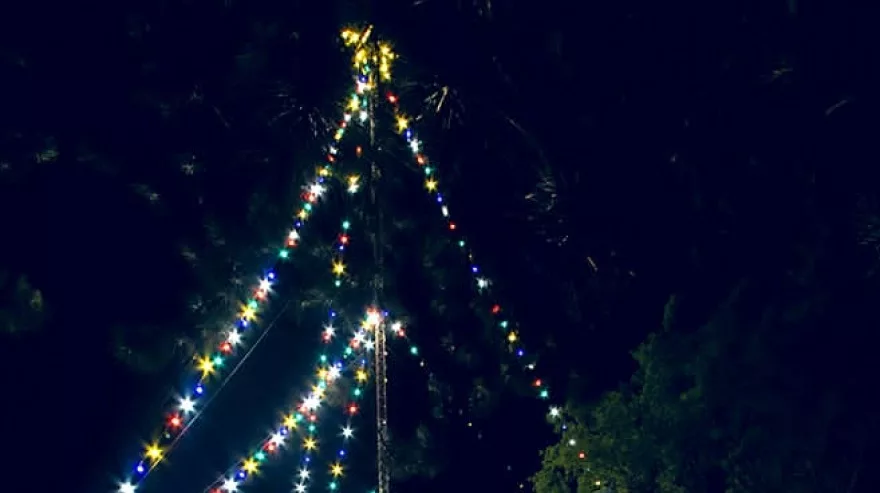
(354, 345)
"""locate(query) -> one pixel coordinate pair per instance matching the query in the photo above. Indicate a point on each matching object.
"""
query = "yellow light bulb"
(431, 185)
(206, 366)
(154, 453)
(248, 313)
(250, 465)
(361, 376)
(310, 444)
(336, 470)
(289, 422)
(322, 374)
(512, 337)
(402, 123)
(338, 268)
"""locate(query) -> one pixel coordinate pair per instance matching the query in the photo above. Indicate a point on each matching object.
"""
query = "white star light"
(482, 283)
(230, 485)
(334, 373)
(414, 145)
(369, 345)
(126, 487)
(265, 285)
(316, 189)
(233, 337)
(277, 439)
(312, 402)
(300, 488)
(554, 412)
(304, 474)
(187, 405)
(347, 432)
(360, 336)
(329, 331)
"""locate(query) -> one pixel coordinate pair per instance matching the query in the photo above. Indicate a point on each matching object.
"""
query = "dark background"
(678, 139)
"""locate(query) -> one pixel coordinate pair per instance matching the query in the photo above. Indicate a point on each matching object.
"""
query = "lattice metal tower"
(381, 351)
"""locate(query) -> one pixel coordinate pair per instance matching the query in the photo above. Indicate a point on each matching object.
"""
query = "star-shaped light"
(347, 432)
(290, 421)
(333, 373)
(336, 470)
(248, 313)
(360, 336)
(250, 465)
(361, 375)
(230, 485)
(402, 123)
(300, 488)
(312, 402)
(329, 331)
(482, 283)
(369, 345)
(265, 284)
(316, 189)
(293, 236)
(310, 444)
(431, 184)
(304, 474)
(338, 268)
(154, 453)
(126, 487)
(206, 366)
(277, 439)
(414, 145)
(233, 337)
(186, 405)
(555, 412)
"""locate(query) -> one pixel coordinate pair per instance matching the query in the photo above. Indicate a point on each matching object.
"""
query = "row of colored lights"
(184, 413)
(359, 341)
(304, 417)
(482, 283)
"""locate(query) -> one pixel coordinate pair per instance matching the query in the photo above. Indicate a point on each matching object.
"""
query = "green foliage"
(726, 408)
(21, 304)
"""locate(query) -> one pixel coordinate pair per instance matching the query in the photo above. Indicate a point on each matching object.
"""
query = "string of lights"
(303, 419)
(499, 315)
(354, 358)
(210, 366)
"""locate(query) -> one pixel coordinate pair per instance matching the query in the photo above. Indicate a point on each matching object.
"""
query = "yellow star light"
(303, 214)
(250, 465)
(336, 470)
(289, 422)
(248, 313)
(206, 366)
(318, 391)
(512, 337)
(338, 268)
(322, 374)
(154, 453)
(431, 184)
(402, 123)
(361, 376)
(354, 103)
(310, 444)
